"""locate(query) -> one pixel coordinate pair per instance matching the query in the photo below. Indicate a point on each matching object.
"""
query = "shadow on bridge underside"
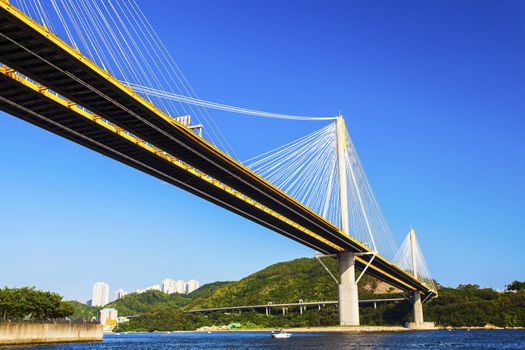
(123, 126)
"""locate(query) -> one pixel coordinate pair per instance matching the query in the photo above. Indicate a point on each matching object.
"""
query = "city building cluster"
(170, 286)
(100, 296)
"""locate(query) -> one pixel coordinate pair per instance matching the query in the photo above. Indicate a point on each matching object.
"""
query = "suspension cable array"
(116, 35)
(306, 169)
(214, 105)
(410, 258)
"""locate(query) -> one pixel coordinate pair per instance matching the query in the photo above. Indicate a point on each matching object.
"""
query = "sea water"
(455, 339)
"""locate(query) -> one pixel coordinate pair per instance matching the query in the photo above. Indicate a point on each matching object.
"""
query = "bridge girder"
(38, 54)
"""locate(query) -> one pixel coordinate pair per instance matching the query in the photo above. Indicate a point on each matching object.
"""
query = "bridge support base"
(348, 295)
(418, 315)
(418, 309)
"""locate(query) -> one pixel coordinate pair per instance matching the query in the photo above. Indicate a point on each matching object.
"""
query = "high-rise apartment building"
(180, 287)
(100, 294)
(190, 286)
(108, 317)
(168, 286)
(119, 294)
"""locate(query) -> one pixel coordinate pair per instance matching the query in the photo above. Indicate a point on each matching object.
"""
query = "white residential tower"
(100, 294)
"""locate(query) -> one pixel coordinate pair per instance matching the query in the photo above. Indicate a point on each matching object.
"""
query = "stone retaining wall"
(31, 333)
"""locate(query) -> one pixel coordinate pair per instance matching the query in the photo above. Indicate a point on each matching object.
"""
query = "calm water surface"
(500, 339)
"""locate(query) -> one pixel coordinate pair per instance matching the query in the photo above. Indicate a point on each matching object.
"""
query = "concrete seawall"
(32, 333)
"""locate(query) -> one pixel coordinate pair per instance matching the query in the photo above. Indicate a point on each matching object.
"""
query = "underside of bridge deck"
(36, 53)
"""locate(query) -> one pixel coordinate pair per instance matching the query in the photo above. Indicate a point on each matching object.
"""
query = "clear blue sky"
(434, 97)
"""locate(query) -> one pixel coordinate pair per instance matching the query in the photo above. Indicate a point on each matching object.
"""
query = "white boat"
(281, 335)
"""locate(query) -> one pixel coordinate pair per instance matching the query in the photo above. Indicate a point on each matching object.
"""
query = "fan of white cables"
(410, 254)
(307, 169)
(117, 36)
(365, 214)
(219, 106)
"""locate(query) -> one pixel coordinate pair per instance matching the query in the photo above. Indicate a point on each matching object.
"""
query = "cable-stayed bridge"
(112, 88)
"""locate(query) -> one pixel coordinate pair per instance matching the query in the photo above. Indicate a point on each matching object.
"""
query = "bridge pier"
(348, 295)
(418, 310)
(419, 323)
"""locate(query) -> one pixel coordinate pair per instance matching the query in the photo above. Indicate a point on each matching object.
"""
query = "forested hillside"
(287, 282)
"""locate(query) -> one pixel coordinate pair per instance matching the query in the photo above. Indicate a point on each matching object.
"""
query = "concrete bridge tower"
(348, 295)
(418, 323)
(418, 306)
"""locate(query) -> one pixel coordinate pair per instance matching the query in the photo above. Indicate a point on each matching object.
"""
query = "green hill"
(82, 311)
(288, 282)
(154, 300)
(151, 300)
(285, 282)
(207, 289)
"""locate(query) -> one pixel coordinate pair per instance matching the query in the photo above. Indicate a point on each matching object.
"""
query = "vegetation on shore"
(287, 282)
(148, 302)
(30, 303)
(466, 305)
(470, 305)
(82, 311)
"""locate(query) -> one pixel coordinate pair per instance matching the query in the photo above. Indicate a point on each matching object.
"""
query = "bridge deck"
(33, 51)
(281, 305)
(21, 98)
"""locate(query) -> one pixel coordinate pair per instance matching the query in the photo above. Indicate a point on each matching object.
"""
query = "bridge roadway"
(277, 306)
(97, 111)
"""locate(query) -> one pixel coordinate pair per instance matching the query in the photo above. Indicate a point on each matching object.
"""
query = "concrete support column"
(418, 306)
(348, 295)
(418, 310)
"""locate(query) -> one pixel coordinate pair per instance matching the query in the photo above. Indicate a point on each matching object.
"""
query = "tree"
(32, 303)
(516, 286)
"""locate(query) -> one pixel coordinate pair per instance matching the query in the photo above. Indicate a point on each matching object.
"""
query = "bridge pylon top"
(410, 258)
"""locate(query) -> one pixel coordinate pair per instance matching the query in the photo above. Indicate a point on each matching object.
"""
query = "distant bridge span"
(286, 305)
